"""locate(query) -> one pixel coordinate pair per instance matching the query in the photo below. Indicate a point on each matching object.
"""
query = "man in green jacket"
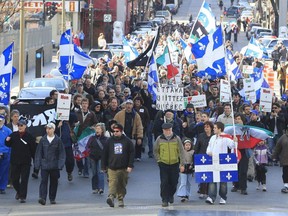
(168, 150)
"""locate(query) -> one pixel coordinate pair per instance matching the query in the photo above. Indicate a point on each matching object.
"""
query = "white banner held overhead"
(63, 106)
(266, 99)
(170, 97)
(198, 101)
(250, 94)
(224, 91)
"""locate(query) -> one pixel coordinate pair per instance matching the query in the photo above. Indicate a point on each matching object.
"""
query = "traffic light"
(51, 10)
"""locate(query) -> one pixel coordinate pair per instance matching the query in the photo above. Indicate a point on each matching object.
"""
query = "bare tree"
(7, 9)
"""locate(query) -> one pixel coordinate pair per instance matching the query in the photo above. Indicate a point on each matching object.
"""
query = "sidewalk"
(30, 75)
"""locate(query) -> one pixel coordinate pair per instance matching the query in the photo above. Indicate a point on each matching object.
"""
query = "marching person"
(50, 157)
(218, 145)
(23, 146)
(168, 149)
(4, 155)
(117, 160)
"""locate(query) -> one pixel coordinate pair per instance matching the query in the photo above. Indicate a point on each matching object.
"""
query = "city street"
(143, 191)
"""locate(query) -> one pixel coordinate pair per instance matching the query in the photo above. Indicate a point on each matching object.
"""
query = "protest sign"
(225, 91)
(249, 90)
(198, 101)
(170, 97)
(63, 106)
(266, 99)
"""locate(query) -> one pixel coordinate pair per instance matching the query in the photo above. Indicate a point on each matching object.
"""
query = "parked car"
(173, 8)
(158, 21)
(95, 54)
(165, 13)
(260, 29)
(58, 83)
(144, 24)
(33, 95)
(247, 14)
(249, 27)
(269, 44)
(233, 11)
(116, 48)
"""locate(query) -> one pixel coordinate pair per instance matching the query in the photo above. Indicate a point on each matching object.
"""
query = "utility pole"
(44, 13)
(91, 23)
(22, 47)
(63, 17)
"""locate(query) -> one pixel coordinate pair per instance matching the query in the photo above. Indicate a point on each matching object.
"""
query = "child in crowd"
(184, 189)
(261, 159)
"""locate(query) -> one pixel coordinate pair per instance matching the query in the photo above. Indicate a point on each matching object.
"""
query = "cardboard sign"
(198, 101)
(63, 106)
(247, 69)
(225, 91)
(266, 99)
(249, 90)
(170, 97)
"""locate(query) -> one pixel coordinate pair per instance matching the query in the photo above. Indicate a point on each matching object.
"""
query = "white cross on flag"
(222, 168)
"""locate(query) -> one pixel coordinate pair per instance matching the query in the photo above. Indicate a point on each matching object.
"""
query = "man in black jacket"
(23, 147)
(117, 159)
(50, 157)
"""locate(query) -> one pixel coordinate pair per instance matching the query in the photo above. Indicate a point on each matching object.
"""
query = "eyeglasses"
(126, 92)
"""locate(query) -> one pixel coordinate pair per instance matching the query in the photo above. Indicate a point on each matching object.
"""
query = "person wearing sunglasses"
(117, 161)
(23, 146)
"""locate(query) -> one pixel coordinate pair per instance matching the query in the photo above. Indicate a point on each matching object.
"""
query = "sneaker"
(202, 196)
(138, 159)
(244, 192)
(2, 192)
(222, 201)
(79, 172)
(10, 186)
(164, 204)
(17, 196)
(121, 203)
(70, 177)
(95, 191)
(100, 191)
(34, 175)
(264, 188)
(22, 201)
(209, 200)
(284, 190)
(110, 201)
(52, 202)
(183, 199)
(258, 187)
(234, 189)
(42, 201)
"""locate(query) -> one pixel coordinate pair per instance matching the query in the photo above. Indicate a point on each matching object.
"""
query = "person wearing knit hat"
(184, 190)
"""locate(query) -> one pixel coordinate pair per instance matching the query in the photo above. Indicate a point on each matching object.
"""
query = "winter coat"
(96, 145)
(281, 150)
(137, 130)
(50, 156)
(22, 148)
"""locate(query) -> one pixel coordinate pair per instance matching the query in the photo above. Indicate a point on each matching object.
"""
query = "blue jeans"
(185, 185)
(150, 137)
(97, 175)
(212, 190)
(84, 166)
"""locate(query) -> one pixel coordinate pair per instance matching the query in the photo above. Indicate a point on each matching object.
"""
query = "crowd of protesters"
(111, 98)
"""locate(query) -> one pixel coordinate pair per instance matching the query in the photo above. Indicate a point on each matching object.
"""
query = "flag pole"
(154, 41)
(230, 93)
(195, 22)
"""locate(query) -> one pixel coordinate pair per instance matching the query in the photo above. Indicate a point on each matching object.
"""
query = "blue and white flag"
(210, 56)
(130, 52)
(206, 18)
(255, 49)
(6, 70)
(73, 60)
(222, 168)
(153, 78)
(233, 68)
(259, 82)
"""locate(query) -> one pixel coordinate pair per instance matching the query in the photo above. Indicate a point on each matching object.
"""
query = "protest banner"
(63, 106)
(266, 99)
(249, 90)
(170, 97)
(225, 91)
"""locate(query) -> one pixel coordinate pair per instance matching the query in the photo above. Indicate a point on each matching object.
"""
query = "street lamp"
(91, 21)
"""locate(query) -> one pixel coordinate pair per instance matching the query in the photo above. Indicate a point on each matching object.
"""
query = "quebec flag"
(6, 69)
(255, 49)
(233, 68)
(210, 56)
(153, 78)
(73, 60)
(221, 168)
(130, 52)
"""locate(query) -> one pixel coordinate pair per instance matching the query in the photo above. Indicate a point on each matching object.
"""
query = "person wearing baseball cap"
(168, 149)
(50, 158)
(254, 119)
(23, 148)
(117, 159)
